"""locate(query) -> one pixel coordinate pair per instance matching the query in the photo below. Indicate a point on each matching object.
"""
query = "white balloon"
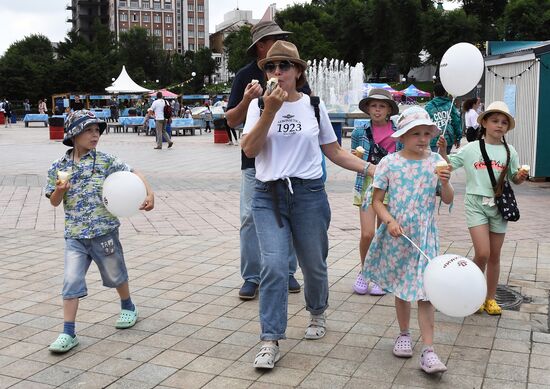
(454, 285)
(461, 68)
(123, 193)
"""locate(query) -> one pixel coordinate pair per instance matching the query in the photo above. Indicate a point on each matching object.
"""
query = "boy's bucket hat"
(283, 51)
(499, 107)
(77, 122)
(381, 95)
(412, 117)
(263, 29)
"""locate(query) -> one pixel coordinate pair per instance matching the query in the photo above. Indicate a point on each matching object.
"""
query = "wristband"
(366, 168)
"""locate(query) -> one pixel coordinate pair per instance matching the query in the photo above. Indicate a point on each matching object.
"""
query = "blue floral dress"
(394, 263)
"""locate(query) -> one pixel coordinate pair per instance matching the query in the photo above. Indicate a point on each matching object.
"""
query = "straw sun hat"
(498, 107)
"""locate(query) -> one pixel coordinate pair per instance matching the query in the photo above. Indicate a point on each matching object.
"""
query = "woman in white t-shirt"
(470, 108)
(290, 204)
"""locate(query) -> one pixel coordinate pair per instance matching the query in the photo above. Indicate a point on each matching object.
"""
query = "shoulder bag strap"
(315, 101)
(488, 163)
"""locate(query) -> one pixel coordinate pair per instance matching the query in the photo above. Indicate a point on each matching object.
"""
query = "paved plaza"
(183, 261)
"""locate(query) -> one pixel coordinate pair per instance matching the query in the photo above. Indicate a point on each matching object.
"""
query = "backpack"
(167, 111)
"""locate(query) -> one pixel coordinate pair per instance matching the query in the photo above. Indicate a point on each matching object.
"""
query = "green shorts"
(479, 213)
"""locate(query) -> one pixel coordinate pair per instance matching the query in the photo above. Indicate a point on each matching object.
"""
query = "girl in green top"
(487, 226)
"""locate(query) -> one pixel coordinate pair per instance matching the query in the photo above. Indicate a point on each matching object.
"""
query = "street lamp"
(193, 74)
(403, 79)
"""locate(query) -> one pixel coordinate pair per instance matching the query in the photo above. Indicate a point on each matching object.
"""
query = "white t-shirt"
(292, 145)
(471, 118)
(158, 107)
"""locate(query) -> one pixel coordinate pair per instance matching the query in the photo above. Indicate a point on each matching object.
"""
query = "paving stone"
(23, 368)
(188, 379)
(55, 375)
(151, 373)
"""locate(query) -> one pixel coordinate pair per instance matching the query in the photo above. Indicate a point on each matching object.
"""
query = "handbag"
(376, 152)
(505, 201)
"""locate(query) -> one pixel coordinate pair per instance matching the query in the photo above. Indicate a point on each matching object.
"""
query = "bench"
(346, 130)
(114, 126)
(175, 130)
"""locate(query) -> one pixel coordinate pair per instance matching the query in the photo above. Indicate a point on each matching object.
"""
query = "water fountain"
(340, 86)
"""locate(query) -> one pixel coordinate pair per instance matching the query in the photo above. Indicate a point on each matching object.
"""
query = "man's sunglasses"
(284, 66)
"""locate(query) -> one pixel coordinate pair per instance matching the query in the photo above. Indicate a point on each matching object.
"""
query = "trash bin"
(2, 118)
(56, 128)
(220, 133)
(337, 126)
(132, 112)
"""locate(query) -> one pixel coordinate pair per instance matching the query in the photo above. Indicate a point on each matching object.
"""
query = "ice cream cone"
(441, 165)
(359, 152)
(63, 176)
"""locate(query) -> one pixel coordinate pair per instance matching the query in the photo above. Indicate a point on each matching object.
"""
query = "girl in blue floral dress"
(410, 179)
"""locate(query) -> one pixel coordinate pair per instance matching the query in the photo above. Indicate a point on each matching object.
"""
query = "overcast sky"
(21, 18)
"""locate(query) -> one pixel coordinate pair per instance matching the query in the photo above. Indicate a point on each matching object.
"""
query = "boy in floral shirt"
(91, 231)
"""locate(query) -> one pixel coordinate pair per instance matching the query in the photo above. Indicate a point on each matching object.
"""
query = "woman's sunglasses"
(284, 66)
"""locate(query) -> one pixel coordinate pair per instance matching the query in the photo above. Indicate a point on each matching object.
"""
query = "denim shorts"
(105, 251)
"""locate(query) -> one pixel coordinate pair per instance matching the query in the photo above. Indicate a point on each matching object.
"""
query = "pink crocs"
(376, 290)
(430, 362)
(402, 347)
(361, 286)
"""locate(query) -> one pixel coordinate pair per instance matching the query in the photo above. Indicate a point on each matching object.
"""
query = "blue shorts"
(105, 251)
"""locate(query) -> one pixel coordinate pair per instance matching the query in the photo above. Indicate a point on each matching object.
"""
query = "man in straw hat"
(248, 85)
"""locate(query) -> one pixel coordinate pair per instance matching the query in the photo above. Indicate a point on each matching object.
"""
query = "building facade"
(179, 25)
(83, 14)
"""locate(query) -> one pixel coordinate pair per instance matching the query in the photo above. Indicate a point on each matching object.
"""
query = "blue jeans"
(305, 218)
(250, 249)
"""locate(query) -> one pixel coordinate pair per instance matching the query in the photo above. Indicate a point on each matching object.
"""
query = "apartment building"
(179, 25)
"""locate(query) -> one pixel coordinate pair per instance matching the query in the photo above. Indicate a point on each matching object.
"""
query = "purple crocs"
(402, 347)
(361, 286)
(430, 362)
(376, 290)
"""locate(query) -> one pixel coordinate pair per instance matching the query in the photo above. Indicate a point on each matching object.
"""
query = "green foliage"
(526, 20)
(235, 45)
(446, 29)
(26, 69)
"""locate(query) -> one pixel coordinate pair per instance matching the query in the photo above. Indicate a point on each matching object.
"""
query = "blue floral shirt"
(85, 215)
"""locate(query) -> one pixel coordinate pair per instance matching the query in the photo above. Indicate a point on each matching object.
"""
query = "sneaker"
(361, 286)
(317, 327)
(157, 148)
(293, 285)
(229, 143)
(430, 362)
(170, 144)
(248, 291)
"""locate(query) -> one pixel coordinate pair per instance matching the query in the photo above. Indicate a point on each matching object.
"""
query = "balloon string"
(448, 116)
(418, 248)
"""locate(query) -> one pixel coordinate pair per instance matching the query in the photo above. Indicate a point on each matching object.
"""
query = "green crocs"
(127, 318)
(63, 343)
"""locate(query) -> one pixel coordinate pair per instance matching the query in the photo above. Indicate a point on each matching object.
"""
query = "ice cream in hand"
(441, 165)
(63, 176)
(525, 168)
(272, 84)
(359, 151)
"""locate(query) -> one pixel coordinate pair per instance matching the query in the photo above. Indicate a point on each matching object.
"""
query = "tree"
(380, 35)
(140, 53)
(526, 20)
(235, 45)
(447, 28)
(408, 43)
(26, 69)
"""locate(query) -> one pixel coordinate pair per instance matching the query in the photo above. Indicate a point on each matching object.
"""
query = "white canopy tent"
(124, 84)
